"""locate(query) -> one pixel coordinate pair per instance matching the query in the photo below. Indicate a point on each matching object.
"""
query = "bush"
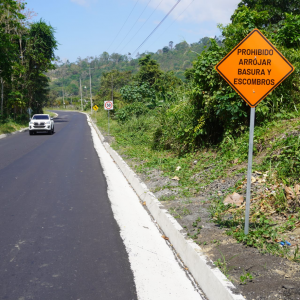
(131, 110)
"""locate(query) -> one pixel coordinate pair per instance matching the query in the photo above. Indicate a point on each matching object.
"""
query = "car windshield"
(40, 118)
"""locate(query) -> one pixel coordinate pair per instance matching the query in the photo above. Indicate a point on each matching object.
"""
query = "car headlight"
(47, 122)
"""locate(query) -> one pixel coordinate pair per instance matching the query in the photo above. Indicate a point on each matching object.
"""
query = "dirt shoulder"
(256, 275)
(193, 190)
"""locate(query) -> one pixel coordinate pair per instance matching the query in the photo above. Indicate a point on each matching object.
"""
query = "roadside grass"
(46, 111)
(72, 108)
(9, 125)
(274, 213)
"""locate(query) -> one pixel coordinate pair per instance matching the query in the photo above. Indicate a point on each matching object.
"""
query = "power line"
(143, 24)
(123, 25)
(157, 26)
(175, 20)
(133, 25)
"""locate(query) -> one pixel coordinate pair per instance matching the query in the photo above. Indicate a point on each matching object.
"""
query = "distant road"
(59, 239)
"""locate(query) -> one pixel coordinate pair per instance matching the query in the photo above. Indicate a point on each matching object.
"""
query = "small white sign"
(29, 110)
(108, 105)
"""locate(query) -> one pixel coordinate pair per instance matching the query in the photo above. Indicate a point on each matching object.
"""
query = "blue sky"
(90, 27)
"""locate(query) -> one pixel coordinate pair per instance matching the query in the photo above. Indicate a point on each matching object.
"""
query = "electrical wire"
(133, 25)
(175, 20)
(142, 25)
(157, 26)
(123, 25)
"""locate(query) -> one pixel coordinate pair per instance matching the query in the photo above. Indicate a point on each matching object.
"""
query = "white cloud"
(85, 3)
(218, 11)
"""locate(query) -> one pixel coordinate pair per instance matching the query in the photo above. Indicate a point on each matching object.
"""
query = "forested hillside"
(26, 54)
(176, 58)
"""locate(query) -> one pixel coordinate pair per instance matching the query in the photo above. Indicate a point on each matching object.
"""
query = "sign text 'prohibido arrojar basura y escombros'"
(254, 68)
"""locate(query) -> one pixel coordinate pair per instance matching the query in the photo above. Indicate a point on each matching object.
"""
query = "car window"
(40, 118)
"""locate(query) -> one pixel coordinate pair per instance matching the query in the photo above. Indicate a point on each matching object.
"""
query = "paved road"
(59, 239)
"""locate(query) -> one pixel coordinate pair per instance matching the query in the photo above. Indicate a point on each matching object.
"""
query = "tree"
(182, 46)
(276, 8)
(149, 70)
(171, 45)
(113, 81)
(165, 49)
(40, 55)
(26, 53)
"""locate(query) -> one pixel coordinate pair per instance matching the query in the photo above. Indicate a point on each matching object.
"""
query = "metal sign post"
(249, 173)
(254, 68)
(108, 105)
(108, 121)
(29, 110)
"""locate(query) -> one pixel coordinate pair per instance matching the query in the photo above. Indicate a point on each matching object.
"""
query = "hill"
(67, 75)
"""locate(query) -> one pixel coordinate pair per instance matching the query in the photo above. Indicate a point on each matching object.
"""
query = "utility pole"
(81, 94)
(112, 88)
(91, 89)
(63, 90)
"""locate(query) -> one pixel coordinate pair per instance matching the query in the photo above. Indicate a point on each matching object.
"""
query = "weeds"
(222, 264)
(296, 256)
(245, 277)
(167, 198)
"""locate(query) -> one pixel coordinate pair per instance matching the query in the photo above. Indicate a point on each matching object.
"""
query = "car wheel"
(30, 132)
(53, 130)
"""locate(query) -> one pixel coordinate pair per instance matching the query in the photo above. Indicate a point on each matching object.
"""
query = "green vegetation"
(9, 125)
(244, 278)
(222, 264)
(26, 53)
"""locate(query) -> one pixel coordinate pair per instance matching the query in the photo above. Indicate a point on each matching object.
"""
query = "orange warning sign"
(254, 68)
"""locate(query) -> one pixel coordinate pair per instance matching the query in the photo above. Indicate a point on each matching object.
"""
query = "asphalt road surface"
(58, 235)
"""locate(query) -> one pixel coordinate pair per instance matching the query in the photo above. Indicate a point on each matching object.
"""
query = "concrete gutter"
(211, 280)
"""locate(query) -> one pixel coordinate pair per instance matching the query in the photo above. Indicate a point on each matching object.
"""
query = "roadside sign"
(29, 110)
(95, 107)
(108, 105)
(254, 68)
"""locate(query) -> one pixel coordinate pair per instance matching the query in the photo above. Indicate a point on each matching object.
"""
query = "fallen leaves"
(234, 198)
(176, 178)
(292, 193)
(165, 237)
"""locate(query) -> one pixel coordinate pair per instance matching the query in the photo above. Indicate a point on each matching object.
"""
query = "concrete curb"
(2, 136)
(210, 279)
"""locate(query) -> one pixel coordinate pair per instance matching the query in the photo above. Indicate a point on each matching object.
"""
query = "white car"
(41, 123)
